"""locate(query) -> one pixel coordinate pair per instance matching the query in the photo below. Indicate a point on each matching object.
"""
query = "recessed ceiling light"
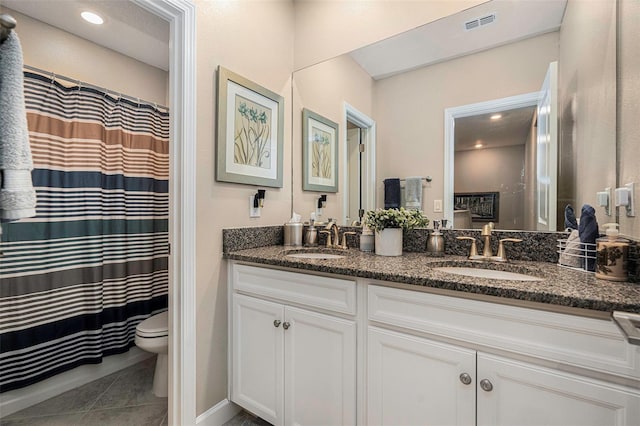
(496, 116)
(478, 144)
(92, 18)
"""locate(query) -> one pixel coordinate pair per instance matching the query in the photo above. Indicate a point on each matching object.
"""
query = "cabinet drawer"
(332, 294)
(569, 339)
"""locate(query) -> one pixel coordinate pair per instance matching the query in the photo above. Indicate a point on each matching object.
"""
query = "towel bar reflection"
(428, 179)
(7, 23)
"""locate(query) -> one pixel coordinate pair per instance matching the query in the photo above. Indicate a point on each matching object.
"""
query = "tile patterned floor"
(246, 419)
(121, 399)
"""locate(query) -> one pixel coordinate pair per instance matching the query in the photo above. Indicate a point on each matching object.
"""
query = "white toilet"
(152, 335)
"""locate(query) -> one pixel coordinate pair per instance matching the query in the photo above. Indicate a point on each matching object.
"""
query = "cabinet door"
(523, 394)
(257, 357)
(415, 381)
(320, 369)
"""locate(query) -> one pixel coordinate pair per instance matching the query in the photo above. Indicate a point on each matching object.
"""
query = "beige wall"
(587, 89)
(58, 51)
(495, 170)
(629, 109)
(227, 35)
(409, 108)
(324, 29)
(324, 88)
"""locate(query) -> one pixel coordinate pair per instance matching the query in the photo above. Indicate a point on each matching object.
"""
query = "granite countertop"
(560, 287)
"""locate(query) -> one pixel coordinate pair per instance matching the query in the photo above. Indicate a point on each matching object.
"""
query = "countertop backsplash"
(536, 246)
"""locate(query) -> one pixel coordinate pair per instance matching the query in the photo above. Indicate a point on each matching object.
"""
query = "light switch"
(437, 206)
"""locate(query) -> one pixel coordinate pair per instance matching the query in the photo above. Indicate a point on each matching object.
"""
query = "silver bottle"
(435, 242)
(311, 235)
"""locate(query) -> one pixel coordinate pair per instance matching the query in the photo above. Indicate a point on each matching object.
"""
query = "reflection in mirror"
(354, 173)
(507, 146)
(407, 102)
(337, 89)
(359, 193)
(493, 151)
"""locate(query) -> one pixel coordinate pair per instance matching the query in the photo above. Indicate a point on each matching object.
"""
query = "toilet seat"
(154, 326)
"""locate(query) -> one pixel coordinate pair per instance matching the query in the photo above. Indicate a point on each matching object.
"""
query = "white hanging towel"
(17, 195)
(413, 193)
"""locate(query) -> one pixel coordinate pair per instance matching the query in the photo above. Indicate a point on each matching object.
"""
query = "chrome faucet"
(487, 254)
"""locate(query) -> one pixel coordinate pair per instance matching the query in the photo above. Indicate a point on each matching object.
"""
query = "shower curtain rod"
(55, 76)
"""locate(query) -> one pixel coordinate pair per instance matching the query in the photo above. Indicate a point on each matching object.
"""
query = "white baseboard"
(19, 399)
(219, 414)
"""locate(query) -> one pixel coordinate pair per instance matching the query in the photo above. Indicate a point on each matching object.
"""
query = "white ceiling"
(128, 29)
(134, 32)
(512, 129)
(447, 38)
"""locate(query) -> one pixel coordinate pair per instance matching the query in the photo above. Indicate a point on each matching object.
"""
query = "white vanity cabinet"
(520, 393)
(303, 352)
(415, 381)
(419, 380)
(293, 364)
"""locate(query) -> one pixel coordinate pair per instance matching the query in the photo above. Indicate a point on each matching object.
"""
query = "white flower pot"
(389, 242)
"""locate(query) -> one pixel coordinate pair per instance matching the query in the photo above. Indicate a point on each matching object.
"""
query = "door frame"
(368, 138)
(182, 205)
(450, 114)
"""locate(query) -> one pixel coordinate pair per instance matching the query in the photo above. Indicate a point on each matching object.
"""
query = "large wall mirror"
(494, 51)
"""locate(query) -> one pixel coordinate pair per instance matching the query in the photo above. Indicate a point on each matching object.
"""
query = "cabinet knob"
(286, 325)
(486, 385)
(276, 323)
(465, 378)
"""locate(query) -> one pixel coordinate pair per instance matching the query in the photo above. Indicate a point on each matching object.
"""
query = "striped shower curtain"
(76, 279)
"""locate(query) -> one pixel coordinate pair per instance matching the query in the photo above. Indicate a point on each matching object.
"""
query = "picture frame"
(319, 153)
(484, 206)
(250, 133)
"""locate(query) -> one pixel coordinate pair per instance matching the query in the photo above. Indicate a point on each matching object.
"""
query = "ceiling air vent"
(480, 22)
(469, 25)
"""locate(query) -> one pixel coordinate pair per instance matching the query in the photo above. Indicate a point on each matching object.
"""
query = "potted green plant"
(388, 225)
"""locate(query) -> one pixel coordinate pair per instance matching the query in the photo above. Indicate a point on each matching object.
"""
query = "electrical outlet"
(437, 206)
(605, 200)
(631, 208)
(253, 211)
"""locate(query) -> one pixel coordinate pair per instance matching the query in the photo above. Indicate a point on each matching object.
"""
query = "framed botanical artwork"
(319, 153)
(250, 132)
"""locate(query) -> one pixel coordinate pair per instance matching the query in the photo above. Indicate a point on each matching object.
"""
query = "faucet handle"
(344, 239)
(474, 248)
(501, 256)
(329, 243)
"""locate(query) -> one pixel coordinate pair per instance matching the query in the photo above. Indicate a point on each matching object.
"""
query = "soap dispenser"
(367, 239)
(311, 234)
(612, 253)
(435, 243)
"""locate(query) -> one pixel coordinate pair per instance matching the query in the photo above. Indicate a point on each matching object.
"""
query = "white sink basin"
(486, 273)
(315, 255)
